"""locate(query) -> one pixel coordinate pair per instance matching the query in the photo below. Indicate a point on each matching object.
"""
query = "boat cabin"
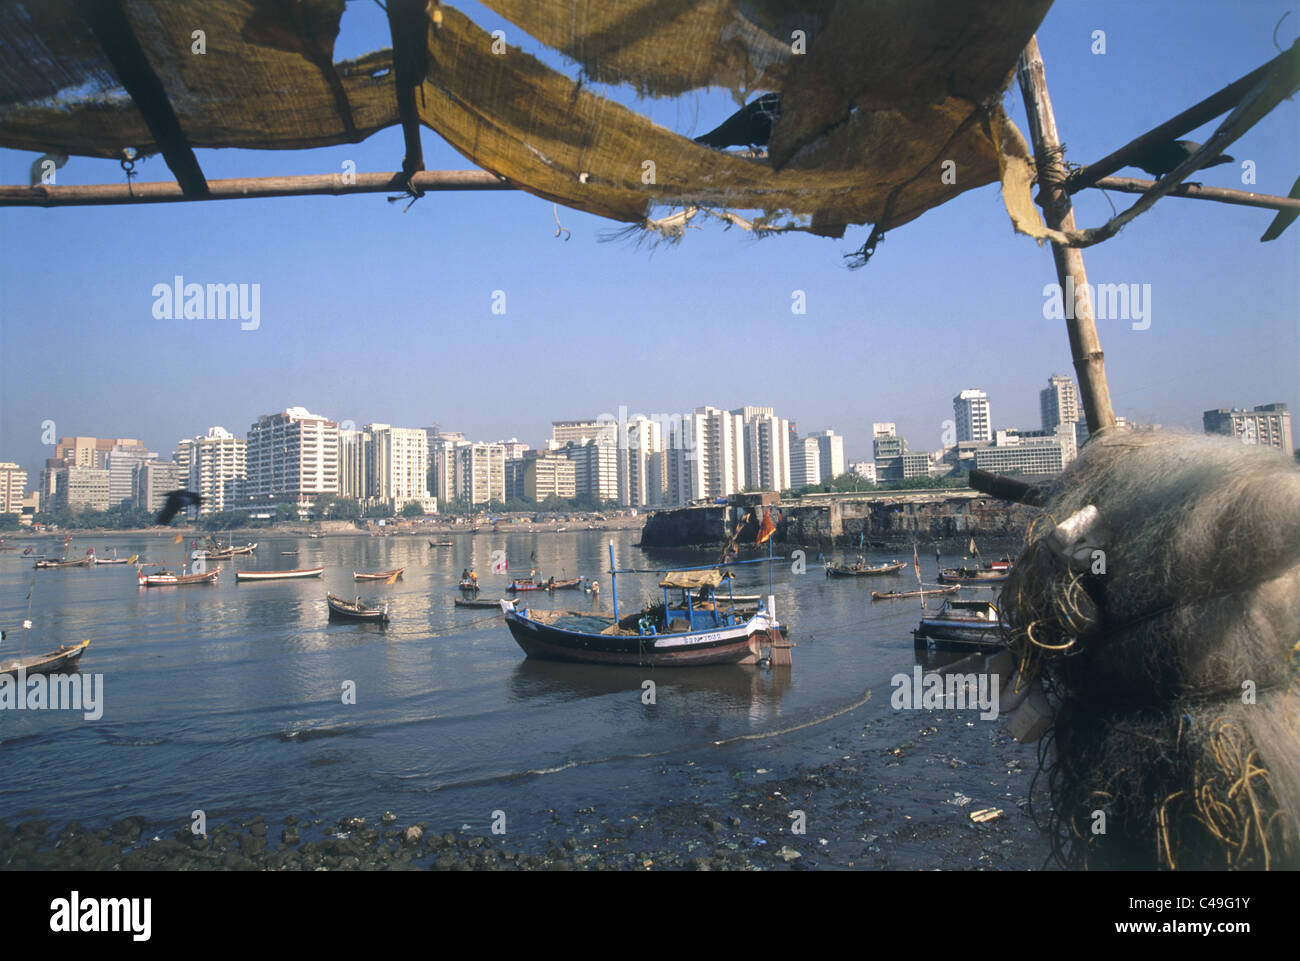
(982, 611)
(691, 603)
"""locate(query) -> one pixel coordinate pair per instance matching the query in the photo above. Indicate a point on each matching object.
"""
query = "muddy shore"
(905, 807)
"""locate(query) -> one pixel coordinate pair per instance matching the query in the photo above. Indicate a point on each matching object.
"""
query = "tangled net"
(1167, 642)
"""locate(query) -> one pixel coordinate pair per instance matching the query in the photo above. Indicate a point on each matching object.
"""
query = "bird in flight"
(1159, 159)
(177, 501)
(750, 126)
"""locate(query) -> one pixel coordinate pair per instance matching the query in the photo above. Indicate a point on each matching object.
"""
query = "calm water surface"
(228, 698)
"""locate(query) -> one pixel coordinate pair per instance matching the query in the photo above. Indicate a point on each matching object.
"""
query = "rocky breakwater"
(949, 519)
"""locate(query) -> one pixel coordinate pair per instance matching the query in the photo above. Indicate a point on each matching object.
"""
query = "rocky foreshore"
(906, 807)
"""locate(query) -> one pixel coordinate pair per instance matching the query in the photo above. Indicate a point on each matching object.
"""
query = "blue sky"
(372, 314)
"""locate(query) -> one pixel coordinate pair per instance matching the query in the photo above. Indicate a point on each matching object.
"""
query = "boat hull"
(278, 575)
(863, 571)
(341, 610)
(62, 659)
(730, 645)
(951, 632)
(931, 592)
(178, 580)
(377, 576)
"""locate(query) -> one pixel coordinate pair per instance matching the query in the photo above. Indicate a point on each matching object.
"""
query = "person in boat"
(464, 574)
(473, 577)
(550, 583)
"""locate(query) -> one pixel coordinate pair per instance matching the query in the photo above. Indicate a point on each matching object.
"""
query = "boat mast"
(613, 576)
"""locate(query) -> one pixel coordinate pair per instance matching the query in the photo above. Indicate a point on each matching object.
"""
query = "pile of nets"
(1165, 631)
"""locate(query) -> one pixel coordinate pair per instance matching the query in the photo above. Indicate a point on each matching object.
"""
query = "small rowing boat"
(464, 602)
(962, 623)
(279, 575)
(468, 585)
(377, 575)
(166, 579)
(65, 657)
(863, 570)
(355, 610)
(81, 562)
(895, 595)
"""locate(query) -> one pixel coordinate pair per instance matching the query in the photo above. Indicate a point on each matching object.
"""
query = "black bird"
(750, 126)
(1159, 159)
(177, 501)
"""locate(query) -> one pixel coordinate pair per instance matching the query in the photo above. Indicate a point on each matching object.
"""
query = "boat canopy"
(693, 580)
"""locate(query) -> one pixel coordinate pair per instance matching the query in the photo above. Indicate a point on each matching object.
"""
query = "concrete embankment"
(949, 519)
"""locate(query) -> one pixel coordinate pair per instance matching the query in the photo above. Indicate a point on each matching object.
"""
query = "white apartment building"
(292, 455)
(971, 410)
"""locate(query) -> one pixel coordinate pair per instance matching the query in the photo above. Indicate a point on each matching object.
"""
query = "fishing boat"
(278, 575)
(442, 543)
(863, 570)
(973, 575)
(355, 610)
(468, 585)
(569, 584)
(115, 559)
(80, 562)
(288, 553)
(962, 622)
(927, 591)
(167, 579)
(221, 553)
(682, 631)
(470, 602)
(59, 660)
(377, 575)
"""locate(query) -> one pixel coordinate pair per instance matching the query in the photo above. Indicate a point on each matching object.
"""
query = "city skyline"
(349, 329)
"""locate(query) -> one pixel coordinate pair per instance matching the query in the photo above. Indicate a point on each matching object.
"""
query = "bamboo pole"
(1191, 118)
(1085, 345)
(244, 188)
(1223, 195)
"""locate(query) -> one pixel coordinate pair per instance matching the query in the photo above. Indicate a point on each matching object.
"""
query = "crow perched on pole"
(750, 126)
(177, 501)
(1159, 159)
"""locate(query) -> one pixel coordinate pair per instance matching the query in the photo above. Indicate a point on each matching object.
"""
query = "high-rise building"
(578, 432)
(1059, 402)
(154, 480)
(885, 442)
(642, 441)
(1027, 452)
(595, 470)
(442, 461)
(82, 488)
(292, 456)
(830, 452)
(397, 464)
(767, 449)
(479, 473)
(971, 410)
(354, 464)
(710, 455)
(1268, 425)
(513, 448)
(544, 475)
(805, 462)
(89, 451)
(216, 467)
(13, 483)
(122, 462)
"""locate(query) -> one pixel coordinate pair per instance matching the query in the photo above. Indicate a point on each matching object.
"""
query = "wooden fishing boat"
(863, 570)
(682, 632)
(377, 576)
(442, 543)
(468, 586)
(468, 602)
(569, 584)
(962, 623)
(288, 553)
(895, 595)
(115, 559)
(279, 575)
(80, 562)
(165, 579)
(355, 610)
(59, 660)
(221, 553)
(973, 575)
(524, 584)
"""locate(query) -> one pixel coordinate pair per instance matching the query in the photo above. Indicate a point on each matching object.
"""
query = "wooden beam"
(247, 188)
(112, 29)
(1188, 120)
(1006, 488)
(408, 25)
(1085, 345)
(1241, 198)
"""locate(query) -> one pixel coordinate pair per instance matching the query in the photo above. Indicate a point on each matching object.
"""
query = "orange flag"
(766, 529)
(179, 538)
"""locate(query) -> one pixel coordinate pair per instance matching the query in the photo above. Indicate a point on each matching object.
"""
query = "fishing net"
(1167, 640)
